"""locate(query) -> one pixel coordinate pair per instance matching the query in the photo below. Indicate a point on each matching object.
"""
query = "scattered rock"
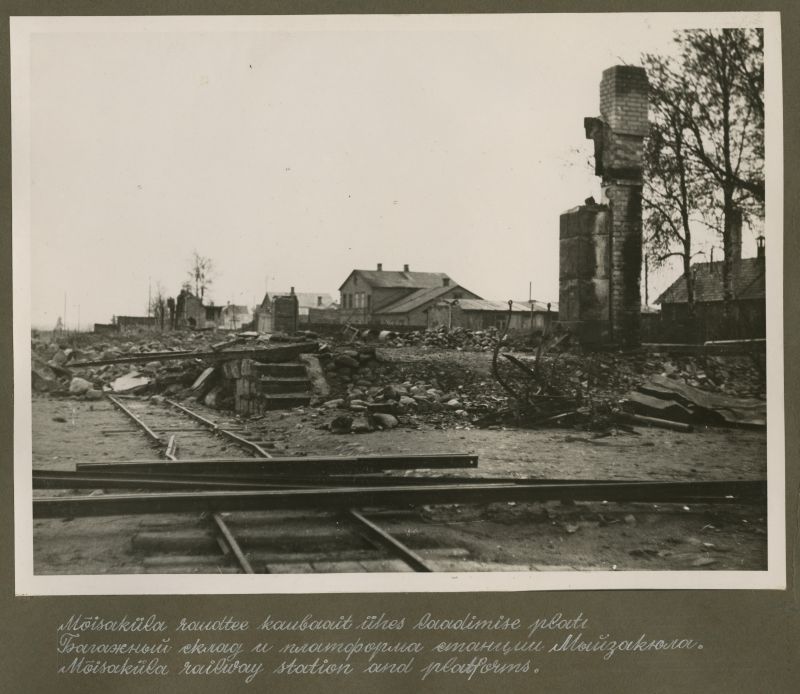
(79, 386)
(129, 382)
(385, 421)
(345, 360)
(704, 561)
(214, 396)
(59, 358)
(361, 425)
(43, 378)
(341, 425)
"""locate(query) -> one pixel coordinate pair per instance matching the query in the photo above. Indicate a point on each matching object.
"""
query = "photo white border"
(26, 583)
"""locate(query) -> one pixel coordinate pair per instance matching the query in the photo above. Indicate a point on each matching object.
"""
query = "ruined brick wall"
(584, 273)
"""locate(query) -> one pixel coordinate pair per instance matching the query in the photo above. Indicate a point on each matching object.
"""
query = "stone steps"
(270, 384)
(283, 370)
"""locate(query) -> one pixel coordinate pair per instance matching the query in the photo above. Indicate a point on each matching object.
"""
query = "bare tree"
(201, 273)
(677, 191)
(712, 112)
(158, 305)
(724, 74)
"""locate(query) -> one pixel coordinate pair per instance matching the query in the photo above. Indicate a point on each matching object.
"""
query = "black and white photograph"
(380, 303)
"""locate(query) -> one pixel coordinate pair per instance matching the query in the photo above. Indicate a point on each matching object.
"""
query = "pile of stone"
(52, 371)
(455, 338)
(613, 374)
(737, 375)
(369, 394)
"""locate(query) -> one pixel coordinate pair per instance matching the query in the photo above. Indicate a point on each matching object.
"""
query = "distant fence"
(747, 320)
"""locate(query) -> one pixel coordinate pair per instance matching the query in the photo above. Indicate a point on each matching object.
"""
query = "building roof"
(394, 279)
(516, 306)
(495, 306)
(304, 299)
(748, 282)
(235, 308)
(416, 299)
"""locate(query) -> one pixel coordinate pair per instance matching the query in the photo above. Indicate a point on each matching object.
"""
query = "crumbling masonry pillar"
(604, 304)
(623, 127)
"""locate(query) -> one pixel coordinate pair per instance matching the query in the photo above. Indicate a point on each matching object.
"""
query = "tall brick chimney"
(619, 149)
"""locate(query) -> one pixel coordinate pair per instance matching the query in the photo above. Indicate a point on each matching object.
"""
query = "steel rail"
(290, 464)
(378, 535)
(226, 538)
(232, 543)
(350, 497)
(170, 453)
(67, 479)
(147, 430)
(381, 538)
(53, 480)
(217, 429)
(49, 480)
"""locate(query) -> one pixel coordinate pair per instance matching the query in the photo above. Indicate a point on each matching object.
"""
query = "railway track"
(333, 542)
(259, 513)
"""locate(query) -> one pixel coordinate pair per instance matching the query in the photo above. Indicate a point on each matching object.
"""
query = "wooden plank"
(648, 406)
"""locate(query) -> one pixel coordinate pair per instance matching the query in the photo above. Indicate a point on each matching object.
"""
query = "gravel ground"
(536, 536)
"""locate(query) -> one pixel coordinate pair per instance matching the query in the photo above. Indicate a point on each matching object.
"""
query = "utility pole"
(530, 301)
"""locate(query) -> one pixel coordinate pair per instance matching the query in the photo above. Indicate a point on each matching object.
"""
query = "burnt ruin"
(601, 244)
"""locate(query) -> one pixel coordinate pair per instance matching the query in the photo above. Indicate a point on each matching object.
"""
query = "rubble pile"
(443, 338)
(610, 375)
(601, 391)
(379, 394)
(368, 386)
(52, 371)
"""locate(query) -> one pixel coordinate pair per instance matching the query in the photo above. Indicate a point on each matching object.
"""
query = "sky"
(292, 151)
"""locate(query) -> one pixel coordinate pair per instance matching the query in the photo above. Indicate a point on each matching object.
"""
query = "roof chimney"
(445, 281)
(319, 301)
(760, 247)
(291, 291)
(380, 267)
(405, 268)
